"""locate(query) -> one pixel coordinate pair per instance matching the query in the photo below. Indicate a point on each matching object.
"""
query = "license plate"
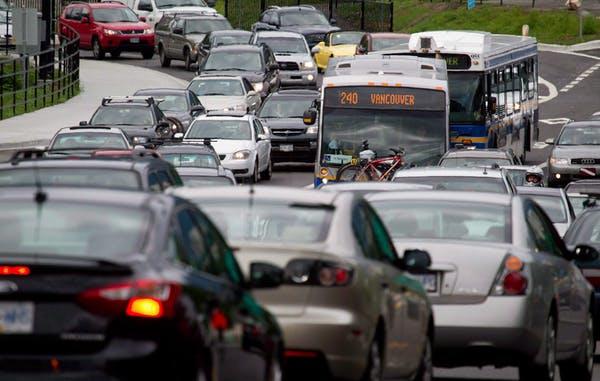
(429, 282)
(16, 318)
(286, 148)
(135, 40)
(588, 171)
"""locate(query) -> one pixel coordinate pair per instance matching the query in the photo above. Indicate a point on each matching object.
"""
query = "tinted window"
(303, 18)
(220, 129)
(153, 183)
(113, 15)
(542, 234)
(458, 183)
(364, 233)
(456, 162)
(231, 60)
(216, 87)
(201, 26)
(192, 240)
(72, 177)
(133, 116)
(70, 228)
(282, 107)
(164, 180)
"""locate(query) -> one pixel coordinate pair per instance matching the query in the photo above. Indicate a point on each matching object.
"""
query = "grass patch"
(548, 26)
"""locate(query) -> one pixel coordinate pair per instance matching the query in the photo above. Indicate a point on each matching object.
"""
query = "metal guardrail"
(29, 82)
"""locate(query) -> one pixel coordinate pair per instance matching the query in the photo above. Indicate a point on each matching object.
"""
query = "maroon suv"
(108, 27)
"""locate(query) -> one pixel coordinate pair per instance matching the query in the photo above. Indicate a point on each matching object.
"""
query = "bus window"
(501, 93)
(531, 78)
(524, 81)
(516, 88)
(508, 90)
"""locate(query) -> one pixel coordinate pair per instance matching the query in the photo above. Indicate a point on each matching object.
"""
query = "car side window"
(76, 14)
(247, 85)
(259, 128)
(175, 178)
(265, 17)
(164, 180)
(363, 233)
(153, 183)
(192, 240)
(145, 4)
(85, 12)
(543, 239)
(256, 129)
(382, 239)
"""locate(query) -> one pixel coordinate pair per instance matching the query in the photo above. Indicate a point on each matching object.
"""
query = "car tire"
(164, 60)
(582, 367)
(425, 372)
(115, 54)
(267, 174)
(97, 50)
(187, 59)
(374, 370)
(148, 54)
(547, 370)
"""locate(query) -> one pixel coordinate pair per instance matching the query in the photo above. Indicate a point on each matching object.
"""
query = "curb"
(590, 45)
(26, 144)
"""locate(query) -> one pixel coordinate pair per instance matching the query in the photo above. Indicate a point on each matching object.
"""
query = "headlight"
(312, 130)
(308, 64)
(110, 32)
(258, 86)
(140, 140)
(148, 31)
(557, 161)
(241, 155)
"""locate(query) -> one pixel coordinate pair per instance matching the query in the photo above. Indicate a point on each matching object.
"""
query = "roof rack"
(90, 127)
(149, 101)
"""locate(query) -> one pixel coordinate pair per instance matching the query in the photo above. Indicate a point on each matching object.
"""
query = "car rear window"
(89, 140)
(194, 160)
(72, 177)
(459, 183)
(554, 207)
(220, 129)
(387, 43)
(263, 221)
(409, 219)
(285, 107)
(121, 115)
(216, 87)
(71, 229)
(205, 181)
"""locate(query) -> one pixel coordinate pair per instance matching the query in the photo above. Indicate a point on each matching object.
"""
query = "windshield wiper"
(236, 68)
(208, 94)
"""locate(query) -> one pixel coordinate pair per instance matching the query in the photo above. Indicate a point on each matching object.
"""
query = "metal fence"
(29, 82)
(367, 15)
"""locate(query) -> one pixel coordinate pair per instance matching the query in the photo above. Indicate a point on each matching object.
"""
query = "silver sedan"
(505, 289)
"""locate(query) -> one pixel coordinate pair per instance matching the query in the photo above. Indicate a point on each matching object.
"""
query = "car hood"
(344, 50)
(225, 147)
(309, 29)
(284, 123)
(292, 57)
(126, 25)
(466, 272)
(571, 152)
(218, 102)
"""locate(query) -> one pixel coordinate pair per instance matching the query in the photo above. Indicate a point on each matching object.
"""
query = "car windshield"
(387, 43)
(217, 87)
(172, 103)
(265, 221)
(457, 162)
(122, 115)
(205, 181)
(578, 202)
(346, 38)
(553, 206)
(197, 160)
(232, 39)
(73, 177)
(220, 129)
(206, 25)
(91, 140)
(431, 219)
(303, 18)
(282, 107)
(458, 183)
(110, 15)
(282, 45)
(585, 231)
(588, 136)
(230, 60)
(180, 3)
(466, 97)
(72, 229)
(517, 176)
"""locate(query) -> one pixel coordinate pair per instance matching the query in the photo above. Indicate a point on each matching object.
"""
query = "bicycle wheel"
(350, 172)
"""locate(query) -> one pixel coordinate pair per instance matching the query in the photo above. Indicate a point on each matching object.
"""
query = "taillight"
(15, 270)
(318, 273)
(139, 298)
(511, 279)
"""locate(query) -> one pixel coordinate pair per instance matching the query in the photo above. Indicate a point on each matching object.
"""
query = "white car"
(225, 93)
(243, 144)
(153, 10)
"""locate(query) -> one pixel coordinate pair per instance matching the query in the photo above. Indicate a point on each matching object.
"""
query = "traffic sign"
(471, 4)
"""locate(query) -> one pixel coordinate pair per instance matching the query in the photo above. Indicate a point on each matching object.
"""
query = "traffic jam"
(146, 243)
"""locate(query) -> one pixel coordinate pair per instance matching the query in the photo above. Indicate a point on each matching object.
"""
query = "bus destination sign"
(383, 97)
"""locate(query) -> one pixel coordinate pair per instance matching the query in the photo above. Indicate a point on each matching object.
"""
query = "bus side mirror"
(310, 117)
(493, 105)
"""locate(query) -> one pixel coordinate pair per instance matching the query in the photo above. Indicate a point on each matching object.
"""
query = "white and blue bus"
(493, 82)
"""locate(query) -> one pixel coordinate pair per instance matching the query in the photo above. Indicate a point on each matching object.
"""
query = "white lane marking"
(555, 121)
(579, 78)
(310, 186)
(539, 145)
(553, 93)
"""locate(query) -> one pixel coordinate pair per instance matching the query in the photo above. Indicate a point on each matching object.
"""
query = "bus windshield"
(466, 97)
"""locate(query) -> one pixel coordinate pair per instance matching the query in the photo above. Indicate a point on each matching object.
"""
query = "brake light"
(219, 320)
(514, 283)
(318, 273)
(511, 279)
(140, 298)
(15, 270)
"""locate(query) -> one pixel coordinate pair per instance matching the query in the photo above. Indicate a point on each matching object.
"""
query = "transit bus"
(392, 102)
(493, 81)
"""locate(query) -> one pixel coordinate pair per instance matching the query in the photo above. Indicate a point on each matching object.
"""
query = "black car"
(178, 35)
(140, 118)
(116, 169)
(291, 140)
(129, 285)
(303, 19)
(221, 38)
(180, 104)
(255, 63)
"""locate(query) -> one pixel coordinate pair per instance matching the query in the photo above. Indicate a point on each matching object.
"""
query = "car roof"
(482, 153)
(185, 148)
(104, 163)
(105, 4)
(452, 172)
(162, 91)
(583, 123)
(277, 33)
(374, 186)
(260, 192)
(217, 77)
(292, 8)
(542, 191)
(236, 48)
(99, 129)
(437, 195)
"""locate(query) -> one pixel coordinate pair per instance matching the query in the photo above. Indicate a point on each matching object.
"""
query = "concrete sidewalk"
(98, 79)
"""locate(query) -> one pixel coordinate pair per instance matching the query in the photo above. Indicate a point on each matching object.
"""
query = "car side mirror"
(493, 105)
(315, 50)
(333, 21)
(585, 253)
(142, 18)
(265, 275)
(85, 20)
(310, 117)
(83, 123)
(549, 141)
(196, 110)
(178, 135)
(416, 261)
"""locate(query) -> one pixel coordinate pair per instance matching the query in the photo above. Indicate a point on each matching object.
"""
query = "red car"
(109, 28)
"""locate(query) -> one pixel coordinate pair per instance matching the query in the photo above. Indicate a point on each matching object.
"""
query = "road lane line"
(579, 78)
(553, 93)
